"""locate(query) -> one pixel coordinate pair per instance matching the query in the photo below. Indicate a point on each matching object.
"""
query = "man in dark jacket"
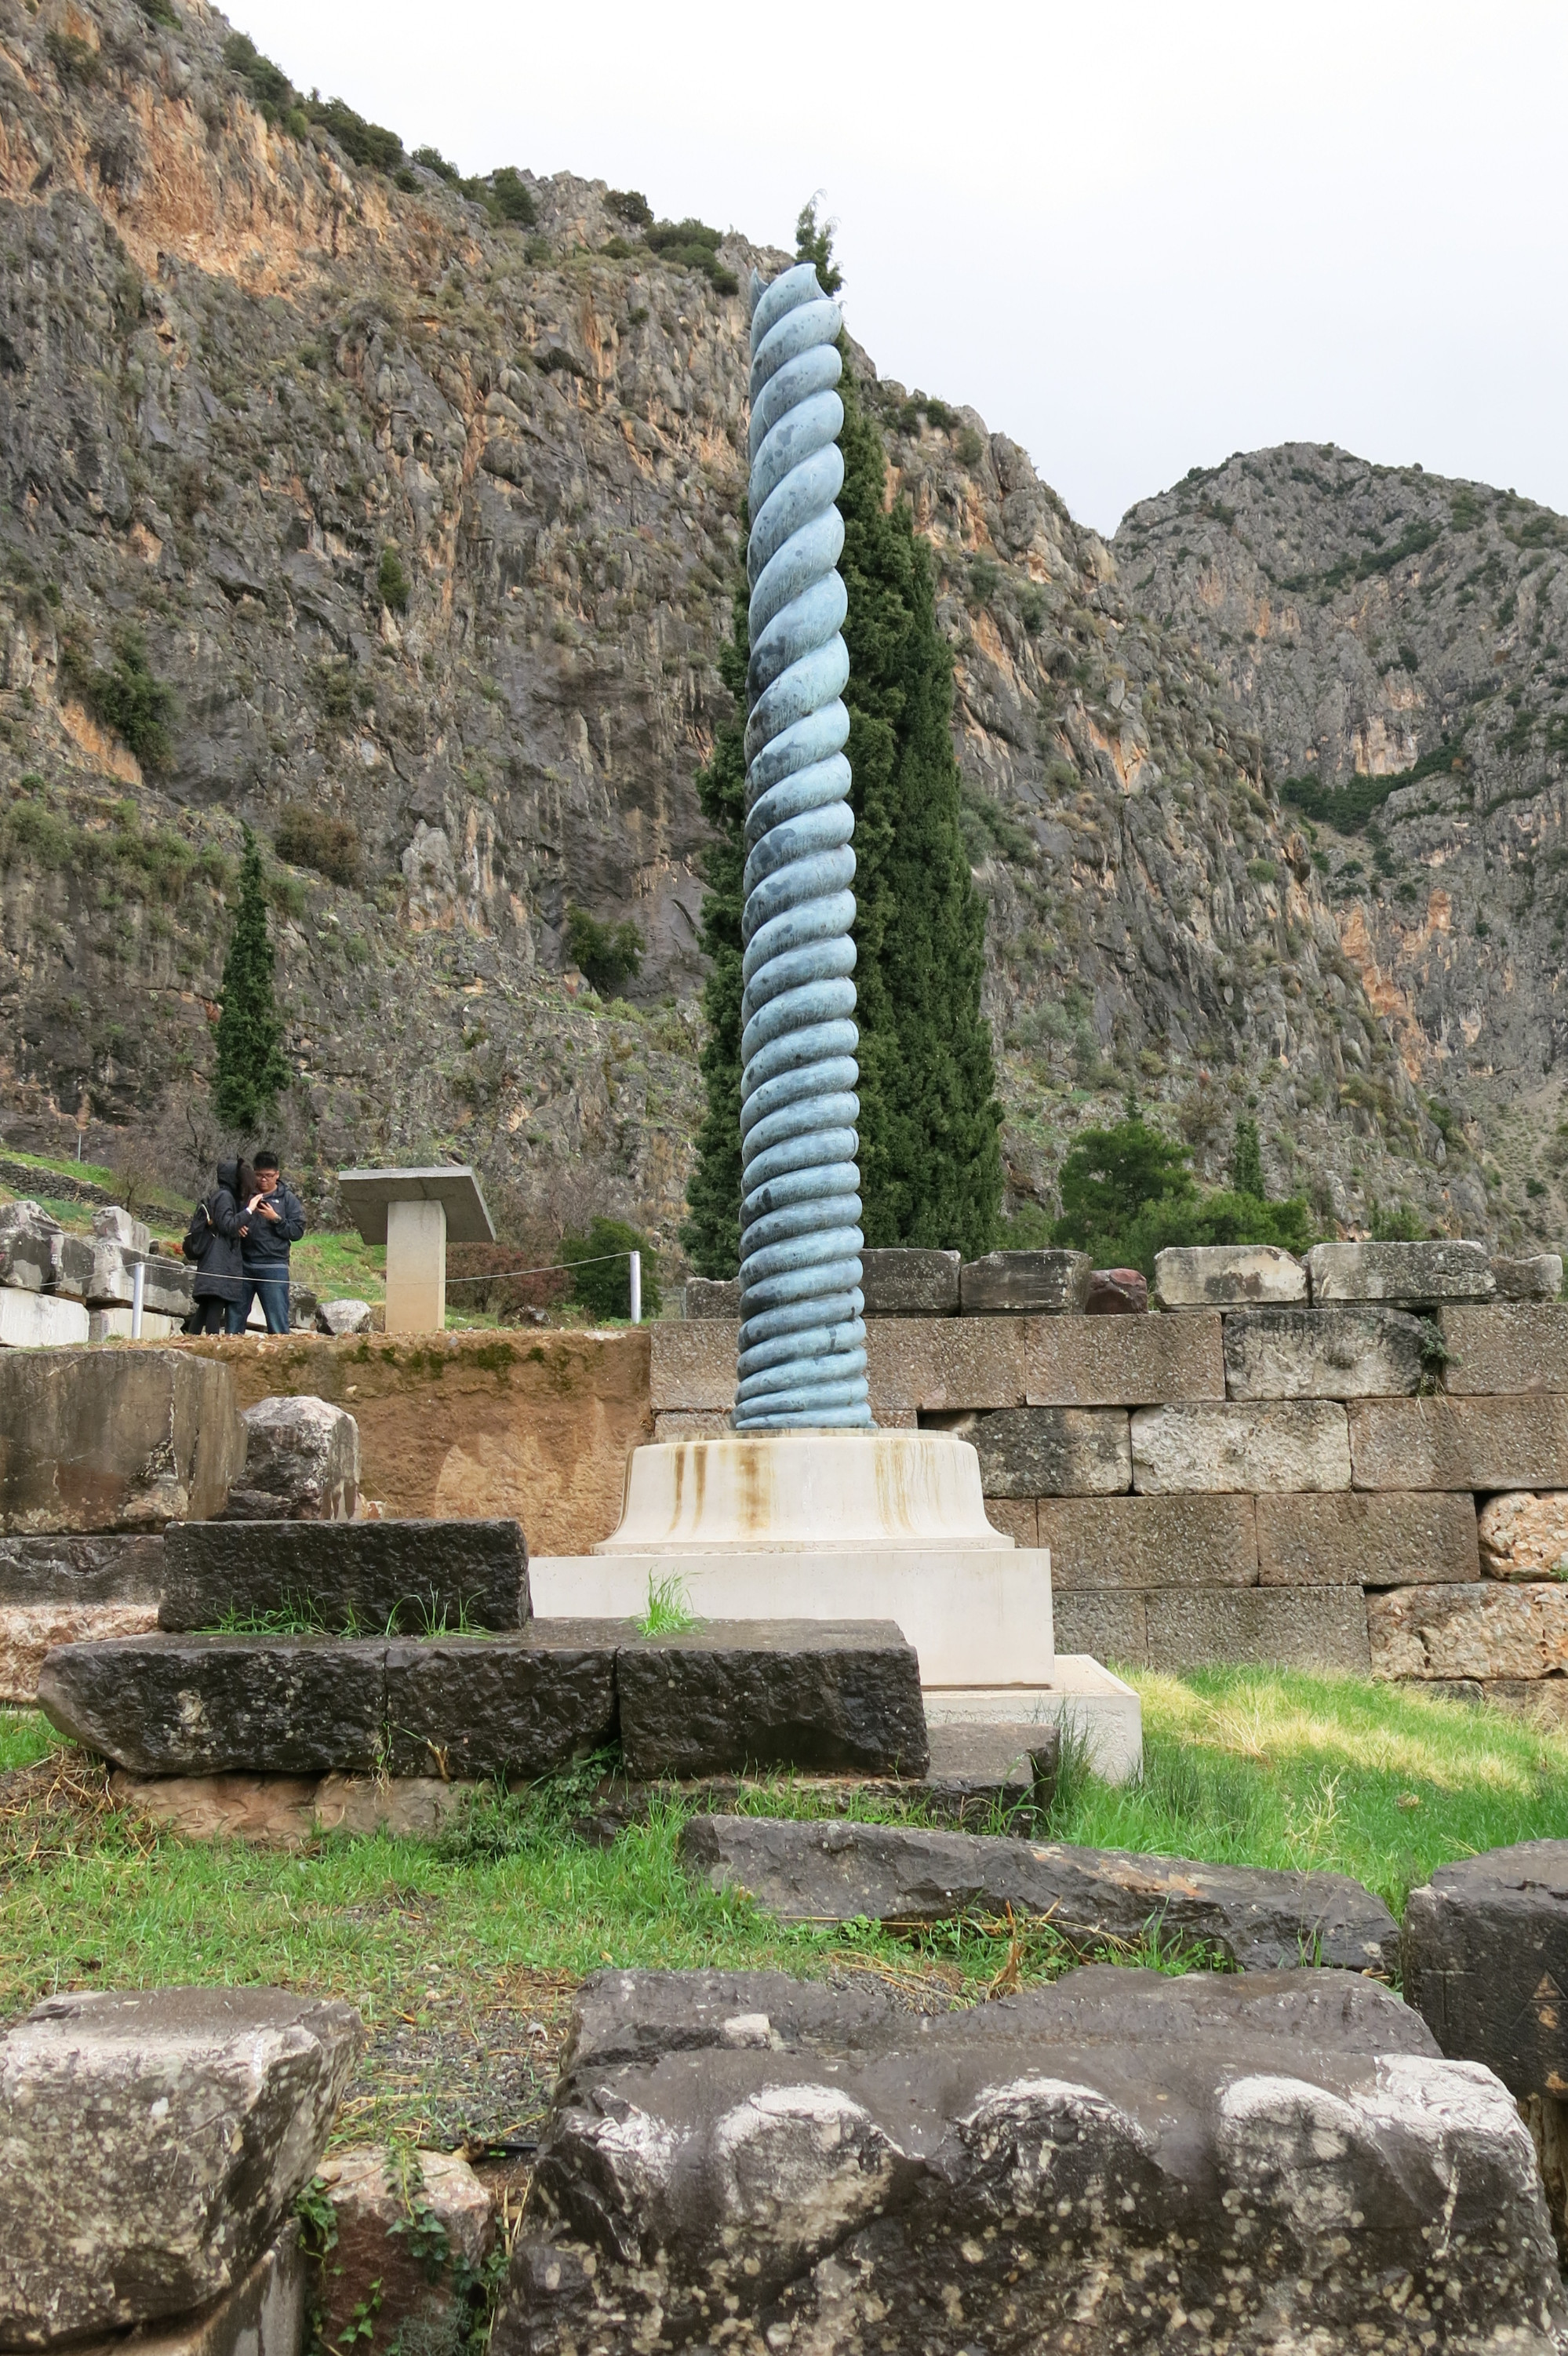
(270, 1221)
(213, 1243)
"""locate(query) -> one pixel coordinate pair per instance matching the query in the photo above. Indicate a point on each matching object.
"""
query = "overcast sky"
(1136, 237)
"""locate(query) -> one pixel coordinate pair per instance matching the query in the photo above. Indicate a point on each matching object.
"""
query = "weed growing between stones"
(670, 1611)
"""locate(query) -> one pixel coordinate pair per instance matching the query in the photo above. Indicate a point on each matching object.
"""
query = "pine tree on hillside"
(931, 1167)
(250, 1066)
(930, 1161)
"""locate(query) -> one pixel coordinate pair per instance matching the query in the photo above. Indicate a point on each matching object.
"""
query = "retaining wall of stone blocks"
(1357, 1463)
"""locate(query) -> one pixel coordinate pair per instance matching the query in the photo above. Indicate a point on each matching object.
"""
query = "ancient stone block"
(691, 1362)
(114, 1440)
(795, 2161)
(343, 1317)
(472, 1706)
(1540, 1279)
(1295, 1627)
(110, 1223)
(707, 1296)
(944, 1364)
(1116, 1292)
(70, 1571)
(1517, 1443)
(910, 1283)
(29, 1633)
(212, 1704)
(1524, 1535)
(30, 1247)
(411, 2283)
(364, 1577)
(1122, 1361)
(1050, 1451)
(1485, 1630)
(1402, 1274)
(302, 1464)
(73, 1276)
(114, 1325)
(1324, 1352)
(1110, 1624)
(834, 1871)
(266, 2314)
(41, 1321)
(286, 1811)
(1274, 1444)
(1014, 1283)
(1505, 1346)
(814, 1693)
(168, 1287)
(1484, 1953)
(1391, 1538)
(1226, 1276)
(155, 2143)
(1182, 1540)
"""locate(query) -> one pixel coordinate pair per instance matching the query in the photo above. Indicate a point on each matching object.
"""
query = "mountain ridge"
(428, 524)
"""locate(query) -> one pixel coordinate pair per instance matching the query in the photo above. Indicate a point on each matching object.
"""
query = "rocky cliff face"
(427, 525)
(1400, 645)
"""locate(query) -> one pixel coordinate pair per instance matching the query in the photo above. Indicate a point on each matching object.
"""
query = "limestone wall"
(1306, 1482)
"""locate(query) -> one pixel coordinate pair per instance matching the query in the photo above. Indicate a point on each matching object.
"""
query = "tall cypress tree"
(250, 1066)
(712, 1233)
(930, 1161)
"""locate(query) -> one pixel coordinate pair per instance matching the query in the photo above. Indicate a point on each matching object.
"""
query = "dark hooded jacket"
(217, 1218)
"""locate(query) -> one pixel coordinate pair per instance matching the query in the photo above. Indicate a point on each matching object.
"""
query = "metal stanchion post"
(138, 1286)
(636, 1288)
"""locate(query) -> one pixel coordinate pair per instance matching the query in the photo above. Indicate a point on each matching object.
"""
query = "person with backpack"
(271, 1217)
(212, 1243)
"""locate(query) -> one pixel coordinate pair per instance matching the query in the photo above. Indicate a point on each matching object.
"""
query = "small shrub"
(126, 697)
(1397, 1222)
(969, 446)
(631, 206)
(313, 838)
(73, 59)
(365, 142)
(692, 245)
(157, 12)
(268, 84)
(393, 580)
(514, 201)
(608, 954)
(602, 1273)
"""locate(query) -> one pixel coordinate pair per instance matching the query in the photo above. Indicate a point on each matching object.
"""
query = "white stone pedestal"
(416, 1267)
(852, 1525)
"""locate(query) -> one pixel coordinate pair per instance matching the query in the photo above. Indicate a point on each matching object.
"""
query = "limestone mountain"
(398, 517)
(1399, 643)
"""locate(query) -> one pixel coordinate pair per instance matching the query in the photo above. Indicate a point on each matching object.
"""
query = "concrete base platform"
(967, 1614)
(1078, 1696)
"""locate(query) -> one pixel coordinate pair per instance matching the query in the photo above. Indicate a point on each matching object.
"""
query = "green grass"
(670, 1611)
(1242, 1766)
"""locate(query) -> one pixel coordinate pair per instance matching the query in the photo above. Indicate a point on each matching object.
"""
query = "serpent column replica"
(802, 1511)
(803, 1338)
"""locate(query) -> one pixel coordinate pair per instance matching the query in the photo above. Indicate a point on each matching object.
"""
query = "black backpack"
(197, 1238)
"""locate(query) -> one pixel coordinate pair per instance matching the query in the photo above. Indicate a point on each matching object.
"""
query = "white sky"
(1135, 237)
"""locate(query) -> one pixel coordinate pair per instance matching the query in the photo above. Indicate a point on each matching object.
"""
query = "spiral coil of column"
(802, 1337)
